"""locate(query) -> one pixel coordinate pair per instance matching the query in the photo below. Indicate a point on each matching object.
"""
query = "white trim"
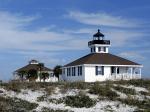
(73, 66)
(105, 65)
(131, 72)
(116, 69)
(113, 65)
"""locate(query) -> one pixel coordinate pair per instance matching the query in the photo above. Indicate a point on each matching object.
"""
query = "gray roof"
(101, 58)
(33, 67)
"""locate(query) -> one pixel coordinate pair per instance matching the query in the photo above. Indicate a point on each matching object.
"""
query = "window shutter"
(102, 70)
(96, 70)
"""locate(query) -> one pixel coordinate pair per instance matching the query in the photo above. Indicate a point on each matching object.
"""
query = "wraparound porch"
(125, 73)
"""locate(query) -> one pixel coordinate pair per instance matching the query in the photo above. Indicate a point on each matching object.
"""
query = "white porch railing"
(124, 76)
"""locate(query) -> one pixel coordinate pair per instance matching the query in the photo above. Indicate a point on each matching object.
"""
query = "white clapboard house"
(100, 65)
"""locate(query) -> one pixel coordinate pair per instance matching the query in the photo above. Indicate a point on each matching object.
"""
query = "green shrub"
(140, 82)
(42, 98)
(15, 105)
(16, 87)
(49, 90)
(56, 101)
(125, 90)
(44, 109)
(144, 93)
(73, 85)
(104, 91)
(144, 104)
(79, 101)
(1, 91)
(76, 85)
(52, 100)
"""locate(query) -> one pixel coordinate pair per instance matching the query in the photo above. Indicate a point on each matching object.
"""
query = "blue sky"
(57, 31)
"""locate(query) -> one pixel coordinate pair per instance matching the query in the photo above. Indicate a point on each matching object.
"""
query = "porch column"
(49, 76)
(116, 70)
(38, 79)
(140, 72)
(131, 73)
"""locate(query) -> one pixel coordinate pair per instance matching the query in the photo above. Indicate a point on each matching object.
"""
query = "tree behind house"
(22, 74)
(44, 76)
(57, 70)
(32, 75)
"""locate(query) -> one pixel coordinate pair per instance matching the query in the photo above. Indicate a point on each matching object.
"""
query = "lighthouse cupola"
(99, 44)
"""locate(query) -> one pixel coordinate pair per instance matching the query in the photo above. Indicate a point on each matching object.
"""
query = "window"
(63, 70)
(79, 70)
(73, 71)
(68, 72)
(99, 70)
(104, 49)
(94, 49)
(112, 70)
(91, 50)
(99, 49)
(118, 71)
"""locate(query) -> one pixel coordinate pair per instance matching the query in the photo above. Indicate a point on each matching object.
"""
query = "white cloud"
(49, 57)
(132, 55)
(118, 37)
(81, 31)
(13, 36)
(123, 37)
(102, 19)
(45, 41)
(13, 21)
(42, 44)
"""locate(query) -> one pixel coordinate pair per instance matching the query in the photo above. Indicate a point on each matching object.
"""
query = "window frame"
(68, 71)
(97, 70)
(99, 49)
(94, 49)
(79, 70)
(104, 49)
(73, 69)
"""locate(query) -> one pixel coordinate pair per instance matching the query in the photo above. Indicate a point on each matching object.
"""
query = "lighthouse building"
(100, 65)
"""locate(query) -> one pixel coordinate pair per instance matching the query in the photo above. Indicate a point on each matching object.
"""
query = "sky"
(56, 32)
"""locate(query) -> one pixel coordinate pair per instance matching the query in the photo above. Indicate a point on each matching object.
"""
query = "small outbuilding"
(35, 71)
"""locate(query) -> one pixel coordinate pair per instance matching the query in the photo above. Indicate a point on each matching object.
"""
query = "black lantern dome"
(98, 38)
(98, 34)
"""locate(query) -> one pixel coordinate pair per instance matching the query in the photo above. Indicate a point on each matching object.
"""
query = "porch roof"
(101, 58)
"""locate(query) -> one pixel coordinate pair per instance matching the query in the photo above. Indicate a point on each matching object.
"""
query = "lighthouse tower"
(99, 44)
